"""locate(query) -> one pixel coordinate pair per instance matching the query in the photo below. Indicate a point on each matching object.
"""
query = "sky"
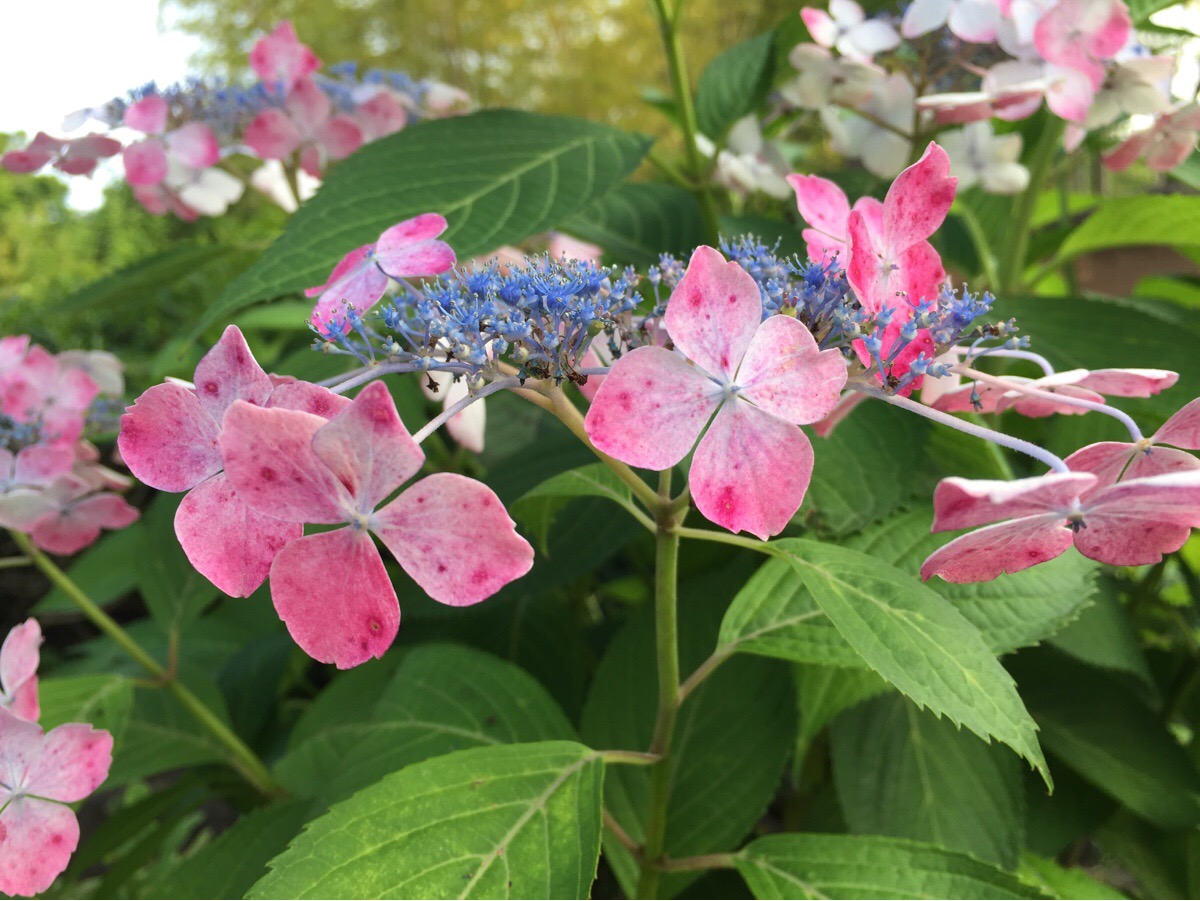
(57, 56)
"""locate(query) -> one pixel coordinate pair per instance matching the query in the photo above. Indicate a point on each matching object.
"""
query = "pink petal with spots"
(1038, 407)
(25, 700)
(380, 116)
(148, 115)
(361, 287)
(453, 536)
(39, 464)
(19, 659)
(920, 276)
(272, 135)
(227, 542)
(340, 137)
(751, 470)
(785, 373)
(1007, 547)
(334, 595)
(1109, 461)
(280, 57)
(1182, 429)
(38, 839)
(269, 459)
(1137, 521)
(919, 199)
(966, 503)
(194, 145)
(24, 162)
(145, 162)
(294, 394)
(713, 312)
(77, 525)
(168, 440)
(309, 107)
(367, 447)
(228, 373)
(863, 267)
(651, 408)
(72, 763)
(349, 263)
(409, 248)
(823, 205)
(1128, 382)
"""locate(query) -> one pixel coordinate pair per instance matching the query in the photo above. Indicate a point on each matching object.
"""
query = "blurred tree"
(587, 57)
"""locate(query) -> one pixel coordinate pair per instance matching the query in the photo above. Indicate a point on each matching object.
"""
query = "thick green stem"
(241, 758)
(668, 27)
(1012, 264)
(666, 639)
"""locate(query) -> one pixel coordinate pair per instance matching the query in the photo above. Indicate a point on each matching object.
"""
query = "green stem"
(668, 27)
(14, 562)
(698, 864)
(1012, 266)
(244, 760)
(666, 638)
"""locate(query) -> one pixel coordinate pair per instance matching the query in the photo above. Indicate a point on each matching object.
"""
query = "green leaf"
(1056, 881)
(498, 176)
(731, 741)
(864, 470)
(174, 592)
(1102, 731)
(105, 572)
(635, 223)
(903, 772)
(1103, 636)
(515, 821)
(229, 866)
(1166, 219)
(443, 698)
(822, 692)
(852, 866)
(103, 701)
(917, 641)
(734, 84)
(1142, 10)
(537, 509)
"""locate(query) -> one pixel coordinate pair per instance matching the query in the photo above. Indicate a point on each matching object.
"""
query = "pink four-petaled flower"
(306, 125)
(450, 534)
(18, 671)
(279, 58)
(762, 379)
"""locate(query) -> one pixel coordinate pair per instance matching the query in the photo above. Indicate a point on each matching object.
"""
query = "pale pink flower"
(409, 249)
(1083, 35)
(1079, 384)
(280, 59)
(169, 441)
(72, 156)
(825, 79)
(18, 670)
(1139, 86)
(39, 389)
(1110, 461)
(450, 534)
(147, 162)
(978, 156)
(42, 774)
(380, 115)
(306, 126)
(761, 379)
(1029, 521)
(824, 206)
(75, 514)
(1164, 145)
(846, 28)
(976, 21)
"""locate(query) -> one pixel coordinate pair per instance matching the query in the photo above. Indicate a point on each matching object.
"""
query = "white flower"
(978, 156)
(749, 164)
(825, 79)
(882, 150)
(976, 21)
(846, 28)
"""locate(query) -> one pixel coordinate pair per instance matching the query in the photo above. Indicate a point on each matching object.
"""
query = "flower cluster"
(52, 485)
(295, 119)
(43, 772)
(981, 60)
(260, 456)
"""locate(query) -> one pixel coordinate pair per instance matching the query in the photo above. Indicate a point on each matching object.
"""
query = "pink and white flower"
(71, 156)
(761, 379)
(1164, 145)
(978, 156)
(18, 670)
(279, 58)
(847, 28)
(976, 21)
(825, 79)
(306, 126)
(1083, 35)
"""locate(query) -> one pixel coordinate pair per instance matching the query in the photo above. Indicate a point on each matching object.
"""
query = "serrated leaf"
(635, 223)
(734, 84)
(917, 641)
(498, 176)
(903, 772)
(1057, 881)
(443, 698)
(537, 509)
(534, 831)
(856, 866)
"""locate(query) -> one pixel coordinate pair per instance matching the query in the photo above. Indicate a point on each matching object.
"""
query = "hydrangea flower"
(306, 125)
(979, 156)
(42, 774)
(409, 249)
(1079, 384)
(279, 58)
(18, 670)
(450, 534)
(73, 512)
(847, 28)
(1110, 461)
(826, 209)
(1083, 35)
(762, 379)
(977, 21)
(40, 389)
(826, 80)
(1029, 521)
(169, 441)
(1164, 145)
(71, 156)
(880, 139)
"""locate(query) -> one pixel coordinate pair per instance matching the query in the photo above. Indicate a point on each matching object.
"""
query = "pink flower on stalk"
(18, 671)
(74, 514)
(280, 59)
(846, 28)
(824, 206)
(897, 266)
(72, 156)
(1165, 144)
(23, 476)
(39, 389)
(409, 249)
(43, 773)
(1083, 35)
(306, 125)
(148, 162)
(1110, 461)
(1079, 384)
(762, 379)
(1030, 521)
(380, 115)
(1024, 83)
(450, 534)
(169, 441)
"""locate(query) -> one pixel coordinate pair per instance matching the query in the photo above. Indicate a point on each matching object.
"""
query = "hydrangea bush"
(679, 616)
